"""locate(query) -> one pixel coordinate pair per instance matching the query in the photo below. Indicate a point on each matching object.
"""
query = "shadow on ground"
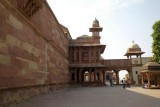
(95, 97)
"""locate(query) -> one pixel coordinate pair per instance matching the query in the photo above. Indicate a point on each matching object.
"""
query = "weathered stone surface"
(5, 59)
(15, 22)
(33, 52)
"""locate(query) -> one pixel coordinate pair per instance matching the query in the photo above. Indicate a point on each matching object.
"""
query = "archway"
(86, 76)
(123, 74)
(108, 76)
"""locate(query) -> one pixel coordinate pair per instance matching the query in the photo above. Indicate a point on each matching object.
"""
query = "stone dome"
(83, 37)
(134, 45)
(95, 23)
(134, 49)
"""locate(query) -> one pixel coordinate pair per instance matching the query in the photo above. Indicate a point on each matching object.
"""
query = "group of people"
(126, 83)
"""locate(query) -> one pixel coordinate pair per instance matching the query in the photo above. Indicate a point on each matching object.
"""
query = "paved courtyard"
(97, 97)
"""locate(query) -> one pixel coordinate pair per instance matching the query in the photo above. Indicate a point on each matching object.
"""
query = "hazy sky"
(122, 22)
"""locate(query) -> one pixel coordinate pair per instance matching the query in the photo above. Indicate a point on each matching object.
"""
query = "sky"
(122, 20)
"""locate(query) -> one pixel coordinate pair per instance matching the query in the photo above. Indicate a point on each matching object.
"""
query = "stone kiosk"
(151, 75)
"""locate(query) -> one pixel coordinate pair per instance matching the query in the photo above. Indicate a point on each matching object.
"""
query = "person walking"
(124, 83)
(110, 80)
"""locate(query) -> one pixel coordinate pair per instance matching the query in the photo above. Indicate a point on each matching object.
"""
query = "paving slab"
(97, 97)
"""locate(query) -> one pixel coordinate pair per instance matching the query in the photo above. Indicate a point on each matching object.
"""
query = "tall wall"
(33, 49)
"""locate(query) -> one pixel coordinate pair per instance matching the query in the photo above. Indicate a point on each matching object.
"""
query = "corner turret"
(95, 29)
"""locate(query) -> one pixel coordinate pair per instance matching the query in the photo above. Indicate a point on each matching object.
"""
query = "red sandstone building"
(86, 65)
(38, 55)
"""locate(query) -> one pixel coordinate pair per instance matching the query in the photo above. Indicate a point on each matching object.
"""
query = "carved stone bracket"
(30, 7)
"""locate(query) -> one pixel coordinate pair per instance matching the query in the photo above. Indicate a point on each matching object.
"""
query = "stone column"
(142, 81)
(94, 74)
(104, 80)
(117, 77)
(140, 59)
(99, 56)
(89, 56)
(149, 80)
(70, 58)
(80, 55)
(94, 54)
(74, 54)
(75, 74)
(131, 76)
(90, 76)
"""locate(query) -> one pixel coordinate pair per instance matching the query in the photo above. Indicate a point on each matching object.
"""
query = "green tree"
(156, 42)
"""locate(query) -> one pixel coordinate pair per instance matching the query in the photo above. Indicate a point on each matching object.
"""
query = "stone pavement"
(97, 97)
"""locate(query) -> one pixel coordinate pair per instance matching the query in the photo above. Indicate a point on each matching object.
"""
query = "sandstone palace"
(38, 54)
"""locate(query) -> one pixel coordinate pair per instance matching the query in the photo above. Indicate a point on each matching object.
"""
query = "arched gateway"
(88, 68)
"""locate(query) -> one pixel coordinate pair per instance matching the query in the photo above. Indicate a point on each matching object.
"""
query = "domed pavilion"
(151, 75)
(134, 50)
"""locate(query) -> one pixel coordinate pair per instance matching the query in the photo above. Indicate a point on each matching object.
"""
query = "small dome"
(134, 45)
(95, 23)
(134, 49)
(83, 37)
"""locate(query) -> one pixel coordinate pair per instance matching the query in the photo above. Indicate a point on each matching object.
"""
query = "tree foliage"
(156, 42)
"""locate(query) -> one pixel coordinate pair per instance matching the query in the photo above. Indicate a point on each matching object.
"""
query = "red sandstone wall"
(32, 51)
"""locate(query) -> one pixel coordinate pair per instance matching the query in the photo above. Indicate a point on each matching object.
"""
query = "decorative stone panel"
(30, 7)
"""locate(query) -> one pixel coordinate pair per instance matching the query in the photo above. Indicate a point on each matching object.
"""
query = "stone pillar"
(131, 76)
(74, 54)
(90, 76)
(104, 80)
(70, 58)
(80, 55)
(117, 77)
(142, 81)
(140, 59)
(89, 56)
(94, 54)
(95, 74)
(75, 74)
(149, 80)
(99, 56)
